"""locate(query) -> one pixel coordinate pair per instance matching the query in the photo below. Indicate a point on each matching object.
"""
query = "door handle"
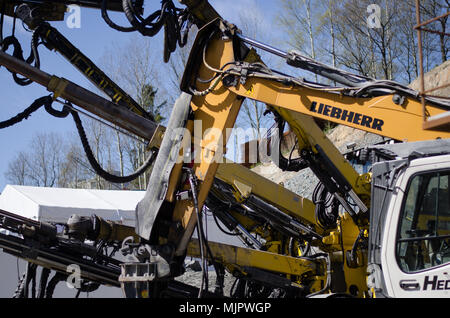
(409, 285)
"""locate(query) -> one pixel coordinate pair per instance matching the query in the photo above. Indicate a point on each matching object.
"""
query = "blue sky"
(93, 38)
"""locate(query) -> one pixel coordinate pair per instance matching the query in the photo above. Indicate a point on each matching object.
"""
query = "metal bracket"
(57, 85)
(183, 195)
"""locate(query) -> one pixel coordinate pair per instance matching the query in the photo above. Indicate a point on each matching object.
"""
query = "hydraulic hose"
(96, 166)
(47, 101)
(108, 21)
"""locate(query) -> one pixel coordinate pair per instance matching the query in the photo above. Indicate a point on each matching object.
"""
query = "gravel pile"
(303, 182)
(194, 278)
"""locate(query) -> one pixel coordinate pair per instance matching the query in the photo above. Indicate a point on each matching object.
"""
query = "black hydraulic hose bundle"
(38, 103)
(151, 25)
(31, 278)
(201, 237)
(326, 206)
(45, 273)
(285, 164)
(203, 241)
(96, 166)
(11, 40)
(50, 289)
(175, 21)
(47, 101)
(108, 20)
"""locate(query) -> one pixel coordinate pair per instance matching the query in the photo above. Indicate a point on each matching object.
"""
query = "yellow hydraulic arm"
(216, 105)
(221, 72)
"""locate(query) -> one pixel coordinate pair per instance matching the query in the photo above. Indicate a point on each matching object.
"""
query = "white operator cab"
(409, 241)
(416, 243)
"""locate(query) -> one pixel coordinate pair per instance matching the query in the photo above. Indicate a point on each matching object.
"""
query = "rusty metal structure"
(443, 121)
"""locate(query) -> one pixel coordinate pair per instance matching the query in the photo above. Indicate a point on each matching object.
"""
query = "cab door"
(416, 243)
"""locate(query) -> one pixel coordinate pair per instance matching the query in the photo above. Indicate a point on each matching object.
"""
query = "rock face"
(437, 77)
(194, 278)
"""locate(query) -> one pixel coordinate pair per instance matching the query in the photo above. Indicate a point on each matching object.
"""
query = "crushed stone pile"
(303, 182)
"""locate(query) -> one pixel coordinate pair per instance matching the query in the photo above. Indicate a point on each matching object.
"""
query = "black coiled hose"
(18, 53)
(96, 166)
(153, 23)
(47, 101)
(326, 206)
(285, 164)
(108, 21)
(168, 17)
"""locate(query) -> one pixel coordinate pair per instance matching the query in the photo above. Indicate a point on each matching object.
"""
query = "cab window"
(423, 236)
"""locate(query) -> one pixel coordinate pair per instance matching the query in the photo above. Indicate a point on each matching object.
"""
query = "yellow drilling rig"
(383, 233)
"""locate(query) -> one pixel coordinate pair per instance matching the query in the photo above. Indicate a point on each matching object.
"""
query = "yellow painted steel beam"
(291, 203)
(217, 112)
(245, 257)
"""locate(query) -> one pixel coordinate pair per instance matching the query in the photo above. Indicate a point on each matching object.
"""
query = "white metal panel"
(58, 204)
(391, 270)
(15, 201)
